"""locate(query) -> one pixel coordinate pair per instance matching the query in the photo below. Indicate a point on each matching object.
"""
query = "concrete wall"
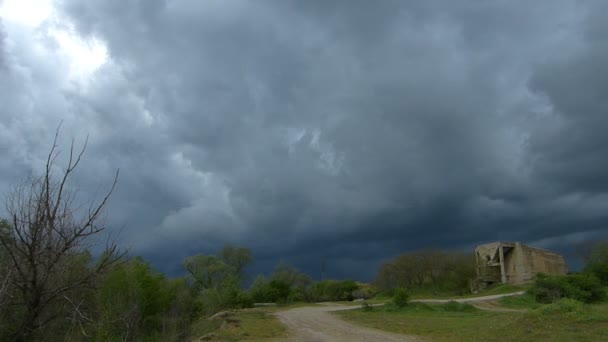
(515, 263)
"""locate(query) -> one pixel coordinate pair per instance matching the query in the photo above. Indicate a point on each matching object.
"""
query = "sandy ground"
(315, 323)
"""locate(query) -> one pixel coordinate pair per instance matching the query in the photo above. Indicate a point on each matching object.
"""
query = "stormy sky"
(345, 130)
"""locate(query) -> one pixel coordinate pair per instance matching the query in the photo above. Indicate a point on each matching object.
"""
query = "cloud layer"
(346, 130)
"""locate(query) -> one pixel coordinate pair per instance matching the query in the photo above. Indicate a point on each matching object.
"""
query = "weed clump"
(401, 298)
(569, 306)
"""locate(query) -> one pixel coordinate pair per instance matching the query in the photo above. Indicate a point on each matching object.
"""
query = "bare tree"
(47, 244)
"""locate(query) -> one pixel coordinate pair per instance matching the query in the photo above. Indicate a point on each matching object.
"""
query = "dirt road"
(488, 303)
(315, 323)
(470, 300)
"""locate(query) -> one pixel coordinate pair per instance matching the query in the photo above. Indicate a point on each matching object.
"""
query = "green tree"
(261, 292)
(136, 302)
(290, 275)
(209, 272)
(236, 257)
(286, 275)
(430, 269)
(216, 282)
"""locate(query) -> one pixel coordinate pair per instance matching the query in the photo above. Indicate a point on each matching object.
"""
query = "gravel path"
(471, 299)
(315, 323)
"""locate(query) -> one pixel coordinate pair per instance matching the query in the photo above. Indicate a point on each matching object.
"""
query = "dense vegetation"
(430, 271)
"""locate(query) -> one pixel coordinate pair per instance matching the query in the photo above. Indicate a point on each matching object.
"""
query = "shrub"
(239, 299)
(401, 297)
(332, 290)
(582, 287)
(279, 291)
(260, 290)
(275, 291)
(564, 305)
(364, 292)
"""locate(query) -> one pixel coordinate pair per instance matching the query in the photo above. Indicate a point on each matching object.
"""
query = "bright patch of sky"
(41, 21)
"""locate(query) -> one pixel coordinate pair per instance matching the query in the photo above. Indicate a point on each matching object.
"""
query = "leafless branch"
(46, 236)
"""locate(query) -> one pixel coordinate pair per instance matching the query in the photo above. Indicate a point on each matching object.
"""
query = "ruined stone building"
(515, 263)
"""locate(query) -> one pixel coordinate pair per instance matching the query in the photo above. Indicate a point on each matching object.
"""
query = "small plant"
(367, 307)
(401, 298)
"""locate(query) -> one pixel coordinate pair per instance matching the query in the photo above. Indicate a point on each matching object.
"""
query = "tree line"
(434, 271)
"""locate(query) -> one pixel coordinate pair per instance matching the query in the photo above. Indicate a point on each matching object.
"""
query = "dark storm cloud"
(350, 130)
(572, 151)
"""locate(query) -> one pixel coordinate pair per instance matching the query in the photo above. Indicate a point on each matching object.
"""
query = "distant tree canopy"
(433, 269)
(285, 284)
(217, 279)
(236, 257)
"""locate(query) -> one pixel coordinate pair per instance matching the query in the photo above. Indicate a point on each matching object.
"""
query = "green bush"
(364, 291)
(582, 287)
(260, 290)
(401, 297)
(279, 291)
(238, 299)
(564, 306)
(332, 290)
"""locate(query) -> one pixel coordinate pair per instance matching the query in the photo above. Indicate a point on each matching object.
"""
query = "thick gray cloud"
(350, 130)
(2, 38)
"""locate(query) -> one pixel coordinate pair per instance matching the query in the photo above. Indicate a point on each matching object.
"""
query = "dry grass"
(240, 325)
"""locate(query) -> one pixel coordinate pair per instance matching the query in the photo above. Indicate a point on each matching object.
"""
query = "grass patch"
(525, 301)
(502, 289)
(561, 321)
(428, 293)
(249, 324)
